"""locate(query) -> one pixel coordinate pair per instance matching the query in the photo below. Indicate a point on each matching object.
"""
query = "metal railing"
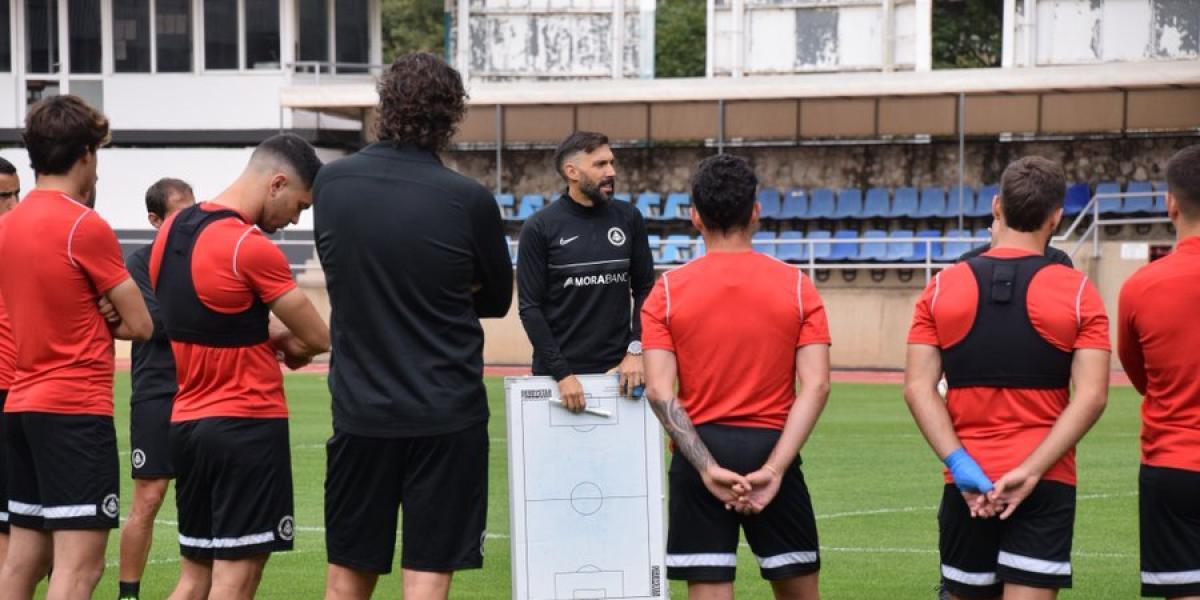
(1095, 221)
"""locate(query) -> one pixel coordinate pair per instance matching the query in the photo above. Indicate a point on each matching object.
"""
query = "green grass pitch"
(875, 486)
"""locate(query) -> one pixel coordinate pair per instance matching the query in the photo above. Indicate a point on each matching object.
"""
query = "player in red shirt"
(1157, 337)
(10, 190)
(218, 279)
(62, 450)
(1012, 332)
(736, 328)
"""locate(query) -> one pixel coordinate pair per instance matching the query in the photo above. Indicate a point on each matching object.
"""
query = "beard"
(592, 189)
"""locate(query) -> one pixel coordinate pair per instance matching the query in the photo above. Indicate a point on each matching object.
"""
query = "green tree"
(679, 40)
(967, 33)
(413, 26)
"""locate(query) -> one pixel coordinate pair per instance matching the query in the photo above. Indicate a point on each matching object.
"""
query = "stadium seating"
(1139, 205)
(954, 249)
(676, 207)
(849, 204)
(901, 248)
(1160, 201)
(873, 251)
(677, 249)
(512, 250)
(1078, 196)
(649, 203)
(904, 203)
(953, 208)
(530, 203)
(1109, 206)
(822, 204)
(791, 252)
(623, 197)
(508, 206)
(795, 205)
(933, 203)
(768, 249)
(821, 251)
(656, 248)
(934, 248)
(878, 204)
(847, 251)
(983, 201)
(770, 201)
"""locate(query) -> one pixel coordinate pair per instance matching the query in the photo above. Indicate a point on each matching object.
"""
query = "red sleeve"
(1129, 345)
(924, 328)
(1093, 320)
(93, 248)
(815, 327)
(655, 332)
(262, 265)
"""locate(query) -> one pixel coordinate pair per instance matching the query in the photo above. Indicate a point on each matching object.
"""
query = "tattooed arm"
(727, 486)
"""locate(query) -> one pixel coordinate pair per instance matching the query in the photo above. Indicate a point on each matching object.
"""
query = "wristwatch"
(635, 348)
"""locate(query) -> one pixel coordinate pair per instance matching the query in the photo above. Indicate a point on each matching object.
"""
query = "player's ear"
(697, 222)
(1172, 207)
(155, 220)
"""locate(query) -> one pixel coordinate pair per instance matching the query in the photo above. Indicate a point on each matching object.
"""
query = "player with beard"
(580, 262)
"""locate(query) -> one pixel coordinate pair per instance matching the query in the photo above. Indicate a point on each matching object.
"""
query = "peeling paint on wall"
(1176, 28)
(1075, 32)
(816, 38)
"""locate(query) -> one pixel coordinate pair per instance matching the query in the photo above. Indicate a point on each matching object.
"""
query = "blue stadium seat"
(530, 203)
(508, 206)
(933, 203)
(676, 207)
(849, 204)
(623, 197)
(770, 202)
(952, 250)
(901, 248)
(983, 201)
(953, 208)
(795, 205)
(878, 204)
(821, 251)
(655, 247)
(1139, 205)
(1160, 200)
(791, 252)
(768, 249)
(512, 250)
(1078, 196)
(904, 203)
(649, 204)
(677, 249)
(821, 204)
(873, 251)
(1109, 206)
(919, 248)
(846, 251)
(984, 233)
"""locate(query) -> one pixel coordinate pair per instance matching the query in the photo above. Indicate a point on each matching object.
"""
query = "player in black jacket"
(581, 262)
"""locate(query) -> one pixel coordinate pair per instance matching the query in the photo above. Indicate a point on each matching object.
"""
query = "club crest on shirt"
(616, 237)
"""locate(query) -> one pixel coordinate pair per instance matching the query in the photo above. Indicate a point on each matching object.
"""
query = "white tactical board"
(585, 492)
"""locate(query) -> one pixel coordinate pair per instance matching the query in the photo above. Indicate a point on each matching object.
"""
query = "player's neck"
(579, 197)
(1185, 229)
(63, 183)
(240, 197)
(734, 241)
(1032, 241)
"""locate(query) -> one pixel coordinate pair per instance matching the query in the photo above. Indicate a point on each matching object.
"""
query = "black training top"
(153, 361)
(577, 268)
(403, 242)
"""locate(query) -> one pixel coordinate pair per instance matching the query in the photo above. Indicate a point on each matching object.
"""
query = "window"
(41, 35)
(5, 41)
(83, 23)
(173, 35)
(352, 36)
(131, 36)
(314, 31)
(220, 34)
(262, 34)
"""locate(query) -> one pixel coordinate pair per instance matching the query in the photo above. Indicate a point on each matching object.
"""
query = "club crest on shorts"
(139, 458)
(616, 237)
(286, 529)
(111, 505)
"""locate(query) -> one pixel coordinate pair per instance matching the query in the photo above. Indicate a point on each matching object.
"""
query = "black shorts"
(234, 487)
(149, 431)
(3, 469)
(62, 471)
(1031, 548)
(441, 481)
(1169, 509)
(702, 538)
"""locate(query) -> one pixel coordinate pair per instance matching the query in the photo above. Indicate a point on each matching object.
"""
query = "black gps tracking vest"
(186, 317)
(1003, 349)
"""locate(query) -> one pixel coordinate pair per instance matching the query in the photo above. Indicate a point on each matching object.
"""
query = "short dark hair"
(421, 101)
(59, 130)
(1183, 180)
(580, 141)
(1031, 189)
(7, 168)
(293, 151)
(723, 189)
(160, 191)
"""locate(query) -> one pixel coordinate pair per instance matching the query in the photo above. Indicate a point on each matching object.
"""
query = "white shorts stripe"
(702, 560)
(238, 542)
(1033, 565)
(790, 558)
(1171, 577)
(3, 517)
(69, 512)
(960, 576)
(20, 508)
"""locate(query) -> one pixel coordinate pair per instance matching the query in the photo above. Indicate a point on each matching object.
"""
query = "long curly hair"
(421, 102)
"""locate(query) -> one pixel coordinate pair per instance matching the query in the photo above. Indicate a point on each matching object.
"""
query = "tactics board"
(585, 492)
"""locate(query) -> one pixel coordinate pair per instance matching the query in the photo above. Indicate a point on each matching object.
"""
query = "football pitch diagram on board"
(586, 493)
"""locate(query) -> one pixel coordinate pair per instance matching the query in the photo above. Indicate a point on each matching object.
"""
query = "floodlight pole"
(962, 136)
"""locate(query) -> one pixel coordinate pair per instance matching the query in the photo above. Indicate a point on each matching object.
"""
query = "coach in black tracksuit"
(580, 262)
